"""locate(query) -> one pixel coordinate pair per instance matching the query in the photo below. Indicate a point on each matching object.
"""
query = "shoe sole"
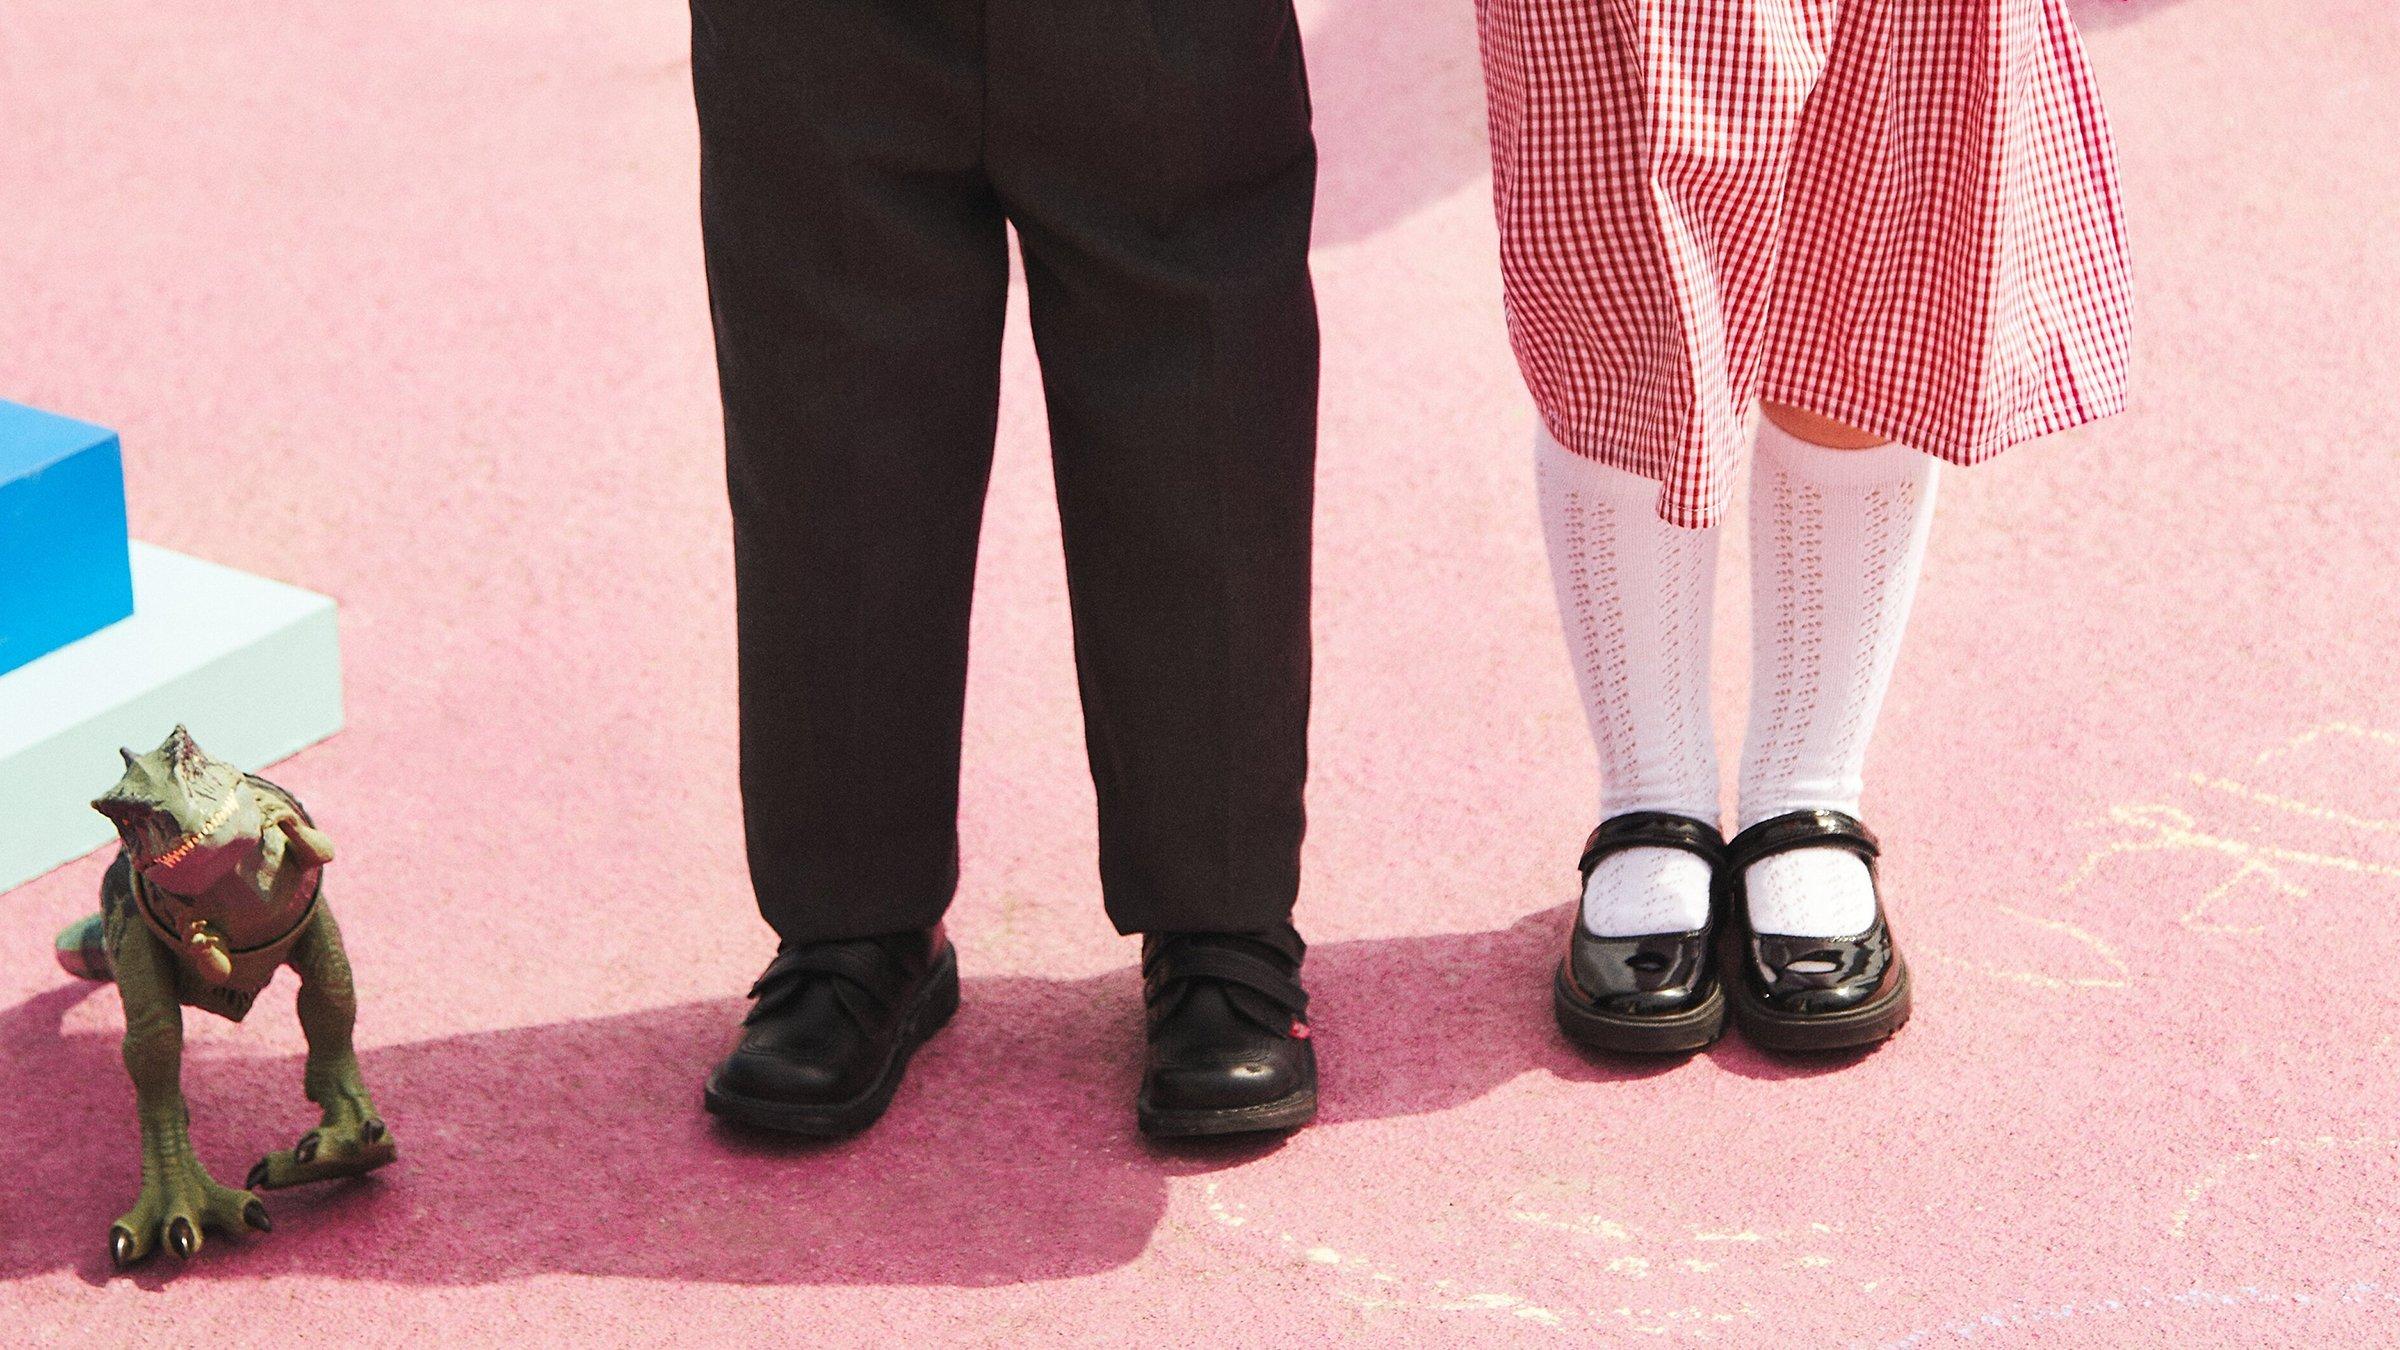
(935, 1003)
(1282, 1114)
(1695, 1028)
(1867, 1024)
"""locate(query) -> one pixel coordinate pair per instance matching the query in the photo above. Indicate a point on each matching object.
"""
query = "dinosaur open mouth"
(153, 838)
(182, 849)
(145, 831)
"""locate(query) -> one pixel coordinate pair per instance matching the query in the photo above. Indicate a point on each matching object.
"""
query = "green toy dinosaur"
(216, 888)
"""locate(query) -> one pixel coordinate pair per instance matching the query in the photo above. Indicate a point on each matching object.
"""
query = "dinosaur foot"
(346, 1148)
(177, 1210)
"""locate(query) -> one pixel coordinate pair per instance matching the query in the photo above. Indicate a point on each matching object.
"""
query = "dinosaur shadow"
(579, 1147)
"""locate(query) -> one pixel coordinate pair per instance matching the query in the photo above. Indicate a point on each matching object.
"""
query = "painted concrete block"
(252, 666)
(63, 559)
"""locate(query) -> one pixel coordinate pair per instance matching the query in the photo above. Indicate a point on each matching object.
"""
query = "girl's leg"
(1818, 429)
(1634, 596)
(1837, 536)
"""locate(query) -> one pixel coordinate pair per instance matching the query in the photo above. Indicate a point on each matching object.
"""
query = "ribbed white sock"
(1837, 538)
(1634, 595)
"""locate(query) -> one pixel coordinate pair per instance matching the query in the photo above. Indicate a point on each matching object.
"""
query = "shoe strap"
(1651, 829)
(1228, 967)
(857, 970)
(1175, 961)
(1802, 829)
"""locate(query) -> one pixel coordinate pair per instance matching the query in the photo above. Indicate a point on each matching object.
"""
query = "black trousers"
(860, 162)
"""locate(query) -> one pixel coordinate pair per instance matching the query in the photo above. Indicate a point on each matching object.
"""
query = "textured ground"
(403, 303)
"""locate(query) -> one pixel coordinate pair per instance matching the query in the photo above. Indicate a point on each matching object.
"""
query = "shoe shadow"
(580, 1147)
(1737, 1056)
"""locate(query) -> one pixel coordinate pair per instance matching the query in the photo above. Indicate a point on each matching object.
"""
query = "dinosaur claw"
(182, 1239)
(255, 1215)
(372, 1130)
(307, 1151)
(257, 1177)
(120, 1247)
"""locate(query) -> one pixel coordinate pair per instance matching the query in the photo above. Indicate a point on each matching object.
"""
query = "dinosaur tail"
(82, 952)
(83, 945)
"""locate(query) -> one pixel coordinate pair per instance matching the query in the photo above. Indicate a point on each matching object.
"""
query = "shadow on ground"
(579, 1147)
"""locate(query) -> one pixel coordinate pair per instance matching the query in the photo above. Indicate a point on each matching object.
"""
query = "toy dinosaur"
(216, 888)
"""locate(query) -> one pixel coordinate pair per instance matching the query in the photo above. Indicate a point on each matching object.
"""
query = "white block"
(251, 666)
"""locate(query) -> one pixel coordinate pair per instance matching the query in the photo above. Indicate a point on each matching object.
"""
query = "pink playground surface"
(403, 303)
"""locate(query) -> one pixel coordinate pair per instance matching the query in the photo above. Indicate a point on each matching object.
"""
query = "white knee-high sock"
(1837, 538)
(1634, 595)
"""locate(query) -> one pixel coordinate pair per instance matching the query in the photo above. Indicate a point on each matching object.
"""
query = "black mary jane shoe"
(1809, 993)
(1228, 1031)
(831, 1031)
(1652, 994)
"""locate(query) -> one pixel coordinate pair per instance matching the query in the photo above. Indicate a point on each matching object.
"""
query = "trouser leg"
(858, 280)
(1158, 164)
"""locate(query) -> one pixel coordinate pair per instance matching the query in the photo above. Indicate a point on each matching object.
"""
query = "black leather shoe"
(830, 1033)
(1810, 993)
(1654, 994)
(1229, 1044)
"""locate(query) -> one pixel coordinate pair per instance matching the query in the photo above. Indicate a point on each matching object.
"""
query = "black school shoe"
(1654, 994)
(829, 1036)
(1228, 1032)
(1809, 993)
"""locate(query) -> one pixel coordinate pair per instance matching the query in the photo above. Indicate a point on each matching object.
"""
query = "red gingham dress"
(1901, 214)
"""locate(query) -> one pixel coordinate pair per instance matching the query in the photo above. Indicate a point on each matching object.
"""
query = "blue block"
(64, 569)
(252, 666)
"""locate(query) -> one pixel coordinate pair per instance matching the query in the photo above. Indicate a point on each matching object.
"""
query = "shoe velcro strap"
(1651, 829)
(856, 969)
(1802, 829)
(1175, 967)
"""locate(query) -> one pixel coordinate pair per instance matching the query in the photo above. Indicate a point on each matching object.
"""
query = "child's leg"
(1634, 596)
(1836, 539)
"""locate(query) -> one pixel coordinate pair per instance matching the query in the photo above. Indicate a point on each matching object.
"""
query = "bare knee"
(1820, 430)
